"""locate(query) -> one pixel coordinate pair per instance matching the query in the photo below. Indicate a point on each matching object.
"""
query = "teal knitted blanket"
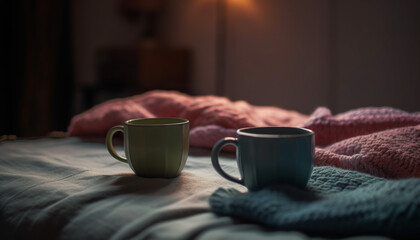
(336, 202)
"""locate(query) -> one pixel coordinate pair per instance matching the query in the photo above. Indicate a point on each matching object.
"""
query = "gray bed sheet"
(71, 189)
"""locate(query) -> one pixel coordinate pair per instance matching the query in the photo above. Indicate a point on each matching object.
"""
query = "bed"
(71, 188)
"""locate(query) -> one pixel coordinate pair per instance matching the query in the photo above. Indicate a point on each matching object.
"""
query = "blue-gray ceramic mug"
(269, 156)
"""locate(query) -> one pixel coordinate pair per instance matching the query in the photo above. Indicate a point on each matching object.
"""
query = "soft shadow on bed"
(130, 183)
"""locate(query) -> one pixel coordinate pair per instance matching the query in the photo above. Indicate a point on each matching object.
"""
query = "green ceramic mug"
(270, 155)
(154, 147)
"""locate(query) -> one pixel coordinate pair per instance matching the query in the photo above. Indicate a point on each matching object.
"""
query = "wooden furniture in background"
(125, 71)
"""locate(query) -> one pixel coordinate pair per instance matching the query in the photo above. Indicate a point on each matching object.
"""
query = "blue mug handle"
(215, 158)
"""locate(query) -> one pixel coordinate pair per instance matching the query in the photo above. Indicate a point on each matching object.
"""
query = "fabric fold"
(211, 117)
(393, 153)
(381, 141)
(336, 203)
(330, 128)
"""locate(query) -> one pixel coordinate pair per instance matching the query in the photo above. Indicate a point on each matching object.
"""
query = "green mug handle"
(109, 145)
(215, 158)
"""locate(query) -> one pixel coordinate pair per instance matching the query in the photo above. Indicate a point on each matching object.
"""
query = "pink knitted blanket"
(380, 141)
(211, 118)
(330, 129)
(393, 153)
(370, 140)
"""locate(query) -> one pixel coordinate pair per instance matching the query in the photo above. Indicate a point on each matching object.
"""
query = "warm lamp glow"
(241, 3)
(247, 6)
(226, 11)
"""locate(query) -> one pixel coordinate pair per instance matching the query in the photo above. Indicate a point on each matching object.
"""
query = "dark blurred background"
(37, 81)
(61, 57)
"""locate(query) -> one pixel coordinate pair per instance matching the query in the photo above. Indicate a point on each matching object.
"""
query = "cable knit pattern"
(211, 118)
(336, 203)
(391, 153)
(329, 129)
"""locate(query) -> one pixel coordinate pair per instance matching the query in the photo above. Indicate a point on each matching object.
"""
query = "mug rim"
(177, 121)
(242, 132)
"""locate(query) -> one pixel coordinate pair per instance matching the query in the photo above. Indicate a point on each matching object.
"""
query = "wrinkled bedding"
(70, 189)
(356, 122)
(356, 140)
(211, 117)
(393, 153)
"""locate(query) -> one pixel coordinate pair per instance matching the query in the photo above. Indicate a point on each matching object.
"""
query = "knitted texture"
(336, 203)
(211, 118)
(391, 153)
(329, 129)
